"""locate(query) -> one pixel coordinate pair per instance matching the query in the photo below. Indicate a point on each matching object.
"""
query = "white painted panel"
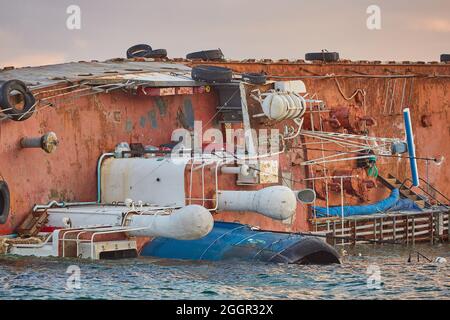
(159, 181)
(296, 86)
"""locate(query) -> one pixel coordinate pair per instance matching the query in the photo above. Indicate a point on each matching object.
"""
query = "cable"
(221, 107)
(261, 171)
(62, 97)
(378, 155)
(329, 76)
(363, 92)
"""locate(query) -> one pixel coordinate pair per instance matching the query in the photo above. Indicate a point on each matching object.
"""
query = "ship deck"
(152, 73)
(400, 227)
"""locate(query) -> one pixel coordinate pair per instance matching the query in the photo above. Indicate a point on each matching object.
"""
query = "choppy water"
(147, 278)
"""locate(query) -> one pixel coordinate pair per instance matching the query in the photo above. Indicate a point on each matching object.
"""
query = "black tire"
(212, 74)
(322, 56)
(9, 109)
(255, 78)
(445, 57)
(158, 53)
(4, 202)
(206, 55)
(139, 51)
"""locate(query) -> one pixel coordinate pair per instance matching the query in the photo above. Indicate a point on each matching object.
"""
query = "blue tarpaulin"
(405, 205)
(348, 211)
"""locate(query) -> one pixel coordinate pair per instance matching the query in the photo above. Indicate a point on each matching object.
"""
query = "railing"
(204, 163)
(426, 192)
(396, 228)
(100, 230)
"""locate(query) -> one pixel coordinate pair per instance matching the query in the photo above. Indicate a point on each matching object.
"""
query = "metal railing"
(426, 192)
(94, 231)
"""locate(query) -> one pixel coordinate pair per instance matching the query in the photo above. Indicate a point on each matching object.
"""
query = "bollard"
(48, 142)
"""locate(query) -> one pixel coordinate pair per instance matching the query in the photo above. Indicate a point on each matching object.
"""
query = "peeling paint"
(162, 106)
(188, 112)
(152, 119)
(129, 125)
(117, 116)
(142, 122)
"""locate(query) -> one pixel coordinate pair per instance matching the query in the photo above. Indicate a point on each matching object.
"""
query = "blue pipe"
(411, 147)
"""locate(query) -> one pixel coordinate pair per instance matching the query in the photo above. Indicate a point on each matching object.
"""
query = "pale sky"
(34, 32)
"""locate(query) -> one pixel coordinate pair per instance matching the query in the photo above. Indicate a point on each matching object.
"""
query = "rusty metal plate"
(269, 171)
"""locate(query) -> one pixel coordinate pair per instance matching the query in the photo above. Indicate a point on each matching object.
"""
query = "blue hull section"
(237, 241)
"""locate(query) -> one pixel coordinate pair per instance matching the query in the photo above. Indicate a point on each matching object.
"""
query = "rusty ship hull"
(360, 95)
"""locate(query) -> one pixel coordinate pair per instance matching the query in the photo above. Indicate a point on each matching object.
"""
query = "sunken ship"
(208, 158)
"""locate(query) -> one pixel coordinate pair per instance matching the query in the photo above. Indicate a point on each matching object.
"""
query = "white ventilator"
(278, 202)
(307, 196)
(283, 105)
(187, 223)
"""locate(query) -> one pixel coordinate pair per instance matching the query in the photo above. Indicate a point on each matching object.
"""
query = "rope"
(362, 91)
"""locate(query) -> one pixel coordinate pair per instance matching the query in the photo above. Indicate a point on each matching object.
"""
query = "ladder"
(392, 182)
(33, 224)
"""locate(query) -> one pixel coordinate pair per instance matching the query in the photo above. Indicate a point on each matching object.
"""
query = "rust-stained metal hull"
(360, 95)
(424, 88)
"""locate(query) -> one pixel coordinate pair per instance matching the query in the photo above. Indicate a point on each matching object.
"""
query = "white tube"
(243, 170)
(278, 202)
(307, 196)
(187, 223)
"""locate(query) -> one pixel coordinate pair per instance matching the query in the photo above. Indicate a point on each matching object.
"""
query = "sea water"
(367, 272)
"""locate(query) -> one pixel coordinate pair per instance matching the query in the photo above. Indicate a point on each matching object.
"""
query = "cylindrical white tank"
(187, 223)
(278, 202)
(242, 170)
(283, 105)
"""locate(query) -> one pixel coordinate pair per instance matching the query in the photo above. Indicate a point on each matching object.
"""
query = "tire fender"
(8, 108)
(5, 201)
